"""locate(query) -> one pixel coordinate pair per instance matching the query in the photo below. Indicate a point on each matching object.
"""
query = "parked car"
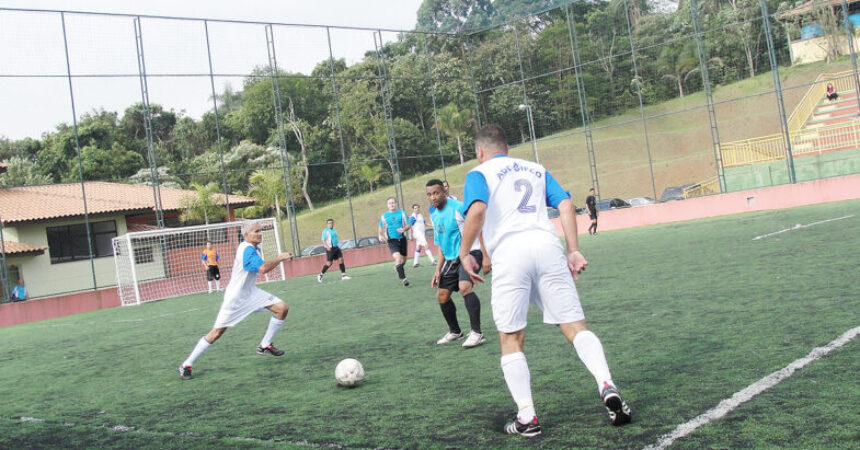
(552, 213)
(675, 193)
(362, 242)
(641, 201)
(314, 250)
(611, 203)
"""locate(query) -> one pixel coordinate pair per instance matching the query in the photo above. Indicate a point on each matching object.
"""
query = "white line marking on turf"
(145, 319)
(800, 226)
(727, 405)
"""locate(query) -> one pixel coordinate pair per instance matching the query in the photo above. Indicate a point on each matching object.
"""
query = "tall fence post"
(147, 123)
(777, 87)
(433, 97)
(4, 267)
(526, 106)
(709, 98)
(286, 166)
(848, 32)
(583, 102)
(388, 112)
(340, 132)
(472, 79)
(78, 151)
(639, 95)
(217, 124)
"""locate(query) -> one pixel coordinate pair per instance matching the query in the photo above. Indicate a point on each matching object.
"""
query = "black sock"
(342, 268)
(324, 269)
(473, 305)
(595, 227)
(400, 273)
(449, 311)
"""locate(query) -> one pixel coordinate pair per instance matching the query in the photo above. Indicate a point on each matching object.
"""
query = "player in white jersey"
(242, 297)
(419, 228)
(506, 199)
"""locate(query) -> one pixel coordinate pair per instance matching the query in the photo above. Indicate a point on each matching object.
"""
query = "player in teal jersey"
(393, 226)
(332, 251)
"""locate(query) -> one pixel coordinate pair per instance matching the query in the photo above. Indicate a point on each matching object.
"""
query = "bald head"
(490, 141)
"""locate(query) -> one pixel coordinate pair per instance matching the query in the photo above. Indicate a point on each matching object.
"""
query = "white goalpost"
(157, 264)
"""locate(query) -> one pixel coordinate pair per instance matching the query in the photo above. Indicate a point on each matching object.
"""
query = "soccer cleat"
(319, 278)
(449, 337)
(406, 282)
(185, 372)
(416, 265)
(530, 429)
(474, 340)
(619, 412)
(270, 350)
(345, 277)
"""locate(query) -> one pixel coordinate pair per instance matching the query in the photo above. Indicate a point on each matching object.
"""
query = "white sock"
(590, 351)
(201, 347)
(274, 326)
(218, 284)
(518, 378)
(430, 255)
(415, 259)
(210, 285)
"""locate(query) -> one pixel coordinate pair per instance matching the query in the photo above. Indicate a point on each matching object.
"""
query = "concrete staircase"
(820, 124)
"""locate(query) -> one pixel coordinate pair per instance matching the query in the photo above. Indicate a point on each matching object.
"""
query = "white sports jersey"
(242, 282)
(517, 199)
(419, 226)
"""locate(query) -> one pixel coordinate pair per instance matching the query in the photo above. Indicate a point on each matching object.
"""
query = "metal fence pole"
(583, 103)
(147, 122)
(850, 35)
(709, 98)
(639, 95)
(526, 106)
(78, 151)
(388, 112)
(217, 124)
(472, 79)
(286, 167)
(340, 132)
(777, 87)
(433, 97)
(4, 267)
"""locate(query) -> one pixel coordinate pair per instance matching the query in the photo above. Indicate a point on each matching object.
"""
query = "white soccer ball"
(349, 372)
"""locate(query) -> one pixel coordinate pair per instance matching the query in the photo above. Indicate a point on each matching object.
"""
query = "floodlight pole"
(340, 131)
(639, 94)
(217, 124)
(388, 113)
(78, 151)
(526, 106)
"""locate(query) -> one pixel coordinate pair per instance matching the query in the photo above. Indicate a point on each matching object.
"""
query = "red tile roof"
(20, 247)
(32, 203)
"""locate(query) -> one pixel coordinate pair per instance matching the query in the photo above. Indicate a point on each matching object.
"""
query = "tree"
(22, 172)
(100, 164)
(678, 63)
(267, 188)
(296, 125)
(454, 15)
(204, 205)
(369, 173)
(455, 123)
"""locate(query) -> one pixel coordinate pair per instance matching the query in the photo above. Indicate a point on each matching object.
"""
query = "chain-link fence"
(117, 123)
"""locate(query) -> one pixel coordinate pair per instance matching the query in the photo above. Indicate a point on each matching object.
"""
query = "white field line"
(727, 405)
(801, 226)
(127, 429)
(144, 319)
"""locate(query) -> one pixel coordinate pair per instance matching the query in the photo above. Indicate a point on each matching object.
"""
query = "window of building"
(69, 242)
(143, 255)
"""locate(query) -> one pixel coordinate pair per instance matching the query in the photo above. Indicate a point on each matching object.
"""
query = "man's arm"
(575, 261)
(486, 265)
(382, 233)
(272, 263)
(474, 222)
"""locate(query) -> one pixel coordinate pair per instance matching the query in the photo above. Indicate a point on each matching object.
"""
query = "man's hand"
(487, 265)
(382, 239)
(471, 267)
(434, 283)
(576, 263)
(286, 256)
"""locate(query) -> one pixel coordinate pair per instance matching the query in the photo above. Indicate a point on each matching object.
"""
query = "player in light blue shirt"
(506, 200)
(448, 220)
(332, 251)
(393, 226)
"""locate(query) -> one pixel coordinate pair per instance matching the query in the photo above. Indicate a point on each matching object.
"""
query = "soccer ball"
(349, 372)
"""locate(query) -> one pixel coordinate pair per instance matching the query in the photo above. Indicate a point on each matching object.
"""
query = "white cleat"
(319, 278)
(345, 277)
(449, 337)
(474, 340)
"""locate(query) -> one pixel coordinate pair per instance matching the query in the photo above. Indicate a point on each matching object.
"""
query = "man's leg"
(279, 311)
(417, 255)
(473, 306)
(325, 267)
(342, 266)
(429, 254)
(518, 379)
(202, 345)
(590, 351)
(449, 312)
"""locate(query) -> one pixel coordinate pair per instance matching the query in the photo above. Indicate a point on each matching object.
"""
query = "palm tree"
(369, 174)
(204, 205)
(455, 123)
(678, 63)
(267, 187)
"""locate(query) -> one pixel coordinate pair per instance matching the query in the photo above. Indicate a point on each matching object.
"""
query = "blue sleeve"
(554, 192)
(322, 236)
(382, 221)
(251, 260)
(217, 257)
(411, 220)
(476, 189)
(203, 256)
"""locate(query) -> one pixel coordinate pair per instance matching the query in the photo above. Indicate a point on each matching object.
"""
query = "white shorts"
(237, 309)
(531, 267)
(420, 239)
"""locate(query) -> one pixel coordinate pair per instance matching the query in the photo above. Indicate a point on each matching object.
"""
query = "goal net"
(152, 265)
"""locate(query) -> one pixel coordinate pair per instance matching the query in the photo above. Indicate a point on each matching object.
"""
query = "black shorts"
(333, 254)
(397, 245)
(453, 272)
(593, 215)
(213, 273)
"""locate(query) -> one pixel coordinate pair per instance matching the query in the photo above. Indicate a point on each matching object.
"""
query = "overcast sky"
(175, 51)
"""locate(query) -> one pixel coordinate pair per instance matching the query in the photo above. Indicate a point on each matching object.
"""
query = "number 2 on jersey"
(524, 207)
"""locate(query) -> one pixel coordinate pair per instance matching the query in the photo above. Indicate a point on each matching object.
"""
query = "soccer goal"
(157, 264)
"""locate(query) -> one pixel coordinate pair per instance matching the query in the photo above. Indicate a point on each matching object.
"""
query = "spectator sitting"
(19, 292)
(831, 92)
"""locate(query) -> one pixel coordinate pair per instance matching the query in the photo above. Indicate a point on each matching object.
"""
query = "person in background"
(19, 292)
